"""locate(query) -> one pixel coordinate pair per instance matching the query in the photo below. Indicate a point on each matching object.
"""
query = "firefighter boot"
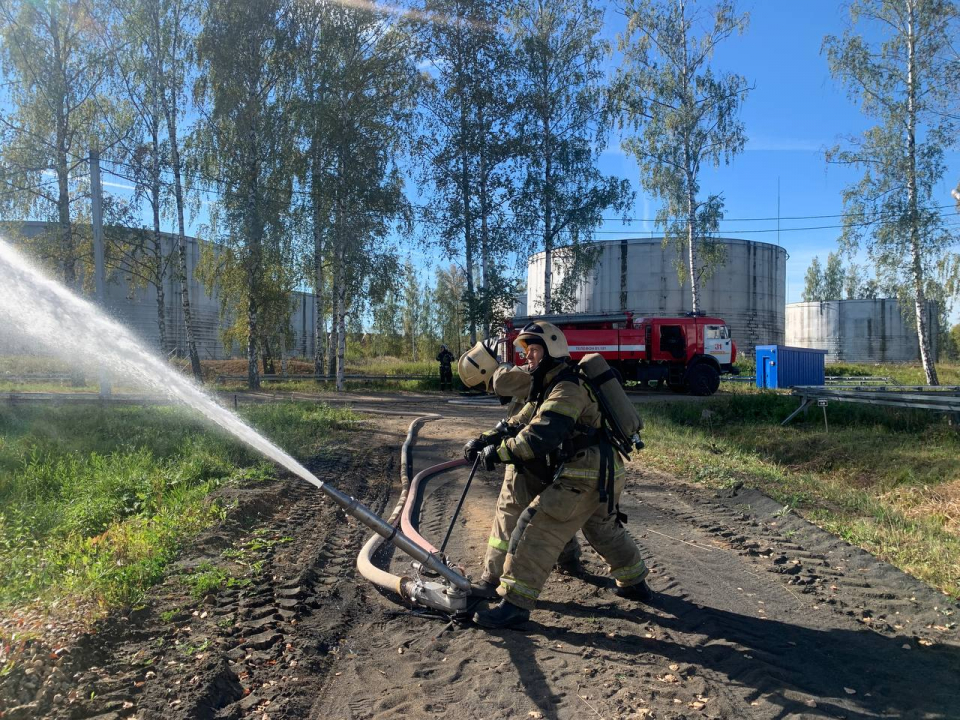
(640, 592)
(504, 615)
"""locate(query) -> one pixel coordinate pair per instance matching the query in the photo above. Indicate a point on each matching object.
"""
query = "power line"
(35, 189)
(424, 210)
(771, 219)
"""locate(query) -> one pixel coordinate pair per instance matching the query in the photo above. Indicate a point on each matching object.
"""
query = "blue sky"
(794, 112)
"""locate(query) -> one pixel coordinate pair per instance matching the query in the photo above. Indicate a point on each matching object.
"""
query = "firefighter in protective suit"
(511, 384)
(560, 446)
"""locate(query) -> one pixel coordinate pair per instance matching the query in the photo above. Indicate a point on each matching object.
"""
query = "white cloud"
(774, 144)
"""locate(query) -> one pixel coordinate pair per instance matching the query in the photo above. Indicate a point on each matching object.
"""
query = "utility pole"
(96, 194)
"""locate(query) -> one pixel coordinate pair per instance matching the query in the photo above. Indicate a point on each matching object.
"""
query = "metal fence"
(324, 378)
(939, 398)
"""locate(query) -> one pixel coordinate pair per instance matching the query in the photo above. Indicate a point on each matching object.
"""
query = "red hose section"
(406, 525)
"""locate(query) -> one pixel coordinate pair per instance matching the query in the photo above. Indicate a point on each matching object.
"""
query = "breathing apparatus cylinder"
(620, 414)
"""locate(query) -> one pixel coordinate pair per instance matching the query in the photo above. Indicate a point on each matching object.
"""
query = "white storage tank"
(136, 305)
(861, 331)
(639, 275)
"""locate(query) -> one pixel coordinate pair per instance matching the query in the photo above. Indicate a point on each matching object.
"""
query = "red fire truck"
(688, 354)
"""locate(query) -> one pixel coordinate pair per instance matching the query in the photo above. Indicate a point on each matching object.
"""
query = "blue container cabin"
(780, 366)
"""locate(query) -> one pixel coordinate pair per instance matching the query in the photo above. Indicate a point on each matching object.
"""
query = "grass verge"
(95, 502)
(883, 479)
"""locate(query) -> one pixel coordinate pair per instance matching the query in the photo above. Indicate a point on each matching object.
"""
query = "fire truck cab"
(688, 354)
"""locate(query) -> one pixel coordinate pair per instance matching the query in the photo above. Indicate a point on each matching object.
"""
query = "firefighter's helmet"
(549, 334)
(477, 365)
(510, 381)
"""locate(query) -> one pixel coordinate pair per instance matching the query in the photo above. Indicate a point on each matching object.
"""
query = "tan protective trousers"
(519, 489)
(548, 522)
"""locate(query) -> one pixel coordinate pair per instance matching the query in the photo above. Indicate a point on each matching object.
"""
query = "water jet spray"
(43, 309)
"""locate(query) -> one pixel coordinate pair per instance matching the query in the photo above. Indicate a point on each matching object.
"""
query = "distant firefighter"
(445, 357)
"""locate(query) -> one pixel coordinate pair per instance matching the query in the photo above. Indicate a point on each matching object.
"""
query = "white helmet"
(477, 365)
(549, 334)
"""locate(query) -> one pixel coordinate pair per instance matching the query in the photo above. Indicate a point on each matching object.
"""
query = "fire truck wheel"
(703, 379)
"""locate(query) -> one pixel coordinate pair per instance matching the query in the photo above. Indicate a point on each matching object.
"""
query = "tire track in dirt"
(263, 644)
(809, 652)
(759, 616)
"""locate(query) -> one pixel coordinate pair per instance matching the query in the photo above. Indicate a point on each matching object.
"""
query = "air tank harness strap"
(608, 374)
(586, 436)
(589, 437)
(605, 482)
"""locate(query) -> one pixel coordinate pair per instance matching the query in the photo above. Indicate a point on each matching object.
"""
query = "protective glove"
(489, 457)
(474, 448)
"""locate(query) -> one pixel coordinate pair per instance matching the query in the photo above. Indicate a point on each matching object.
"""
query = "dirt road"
(758, 615)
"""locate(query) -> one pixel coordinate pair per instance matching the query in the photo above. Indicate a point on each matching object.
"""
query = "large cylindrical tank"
(860, 331)
(640, 275)
(135, 304)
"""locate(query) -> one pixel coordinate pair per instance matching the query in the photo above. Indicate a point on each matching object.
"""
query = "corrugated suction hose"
(404, 585)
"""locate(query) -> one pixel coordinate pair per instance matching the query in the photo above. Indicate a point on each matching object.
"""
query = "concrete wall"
(749, 292)
(858, 330)
(137, 307)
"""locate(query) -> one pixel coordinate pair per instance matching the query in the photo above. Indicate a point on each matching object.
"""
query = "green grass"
(902, 373)
(206, 579)
(948, 373)
(96, 502)
(878, 478)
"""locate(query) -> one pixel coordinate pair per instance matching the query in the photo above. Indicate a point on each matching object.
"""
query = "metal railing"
(325, 378)
(939, 398)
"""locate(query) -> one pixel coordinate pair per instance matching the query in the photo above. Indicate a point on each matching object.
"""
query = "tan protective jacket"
(566, 411)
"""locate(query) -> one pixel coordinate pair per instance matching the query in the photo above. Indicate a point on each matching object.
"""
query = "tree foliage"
(685, 117)
(373, 89)
(836, 282)
(246, 139)
(813, 282)
(897, 60)
(55, 65)
(562, 116)
(469, 146)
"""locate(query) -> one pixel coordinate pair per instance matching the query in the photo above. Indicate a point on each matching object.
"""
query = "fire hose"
(441, 594)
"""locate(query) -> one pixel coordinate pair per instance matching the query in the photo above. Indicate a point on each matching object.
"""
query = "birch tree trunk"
(182, 274)
(692, 245)
(916, 266)
(341, 334)
(485, 264)
(320, 325)
(547, 208)
(468, 239)
(157, 239)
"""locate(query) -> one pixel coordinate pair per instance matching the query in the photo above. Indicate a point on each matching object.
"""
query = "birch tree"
(133, 29)
(172, 35)
(448, 302)
(55, 66)
(897, 61)
(315, 57)
(469, 145)
(156, 37)
(413, 307)
(561, 105)
(245, 81)
(373, 90)
(833, 277)
(813, 282)
(685, 117)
